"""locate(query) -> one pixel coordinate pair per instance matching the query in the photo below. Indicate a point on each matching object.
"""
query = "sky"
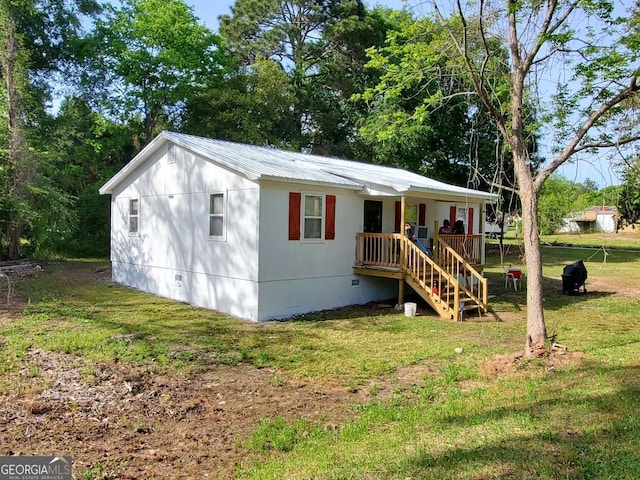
(595, 169)
(209, 10)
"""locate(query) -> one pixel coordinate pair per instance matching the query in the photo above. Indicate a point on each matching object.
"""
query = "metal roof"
(265, 163)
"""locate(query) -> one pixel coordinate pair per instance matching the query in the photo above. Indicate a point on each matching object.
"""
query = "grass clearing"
(575, 417)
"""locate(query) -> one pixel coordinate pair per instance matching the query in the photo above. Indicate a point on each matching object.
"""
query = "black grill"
(574, 276)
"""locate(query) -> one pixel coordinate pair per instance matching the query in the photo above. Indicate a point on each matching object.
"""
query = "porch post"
(403, 253)
(483, 246)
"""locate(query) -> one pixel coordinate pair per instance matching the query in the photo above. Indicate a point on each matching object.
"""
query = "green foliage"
(249, 107)
(319, 47)
(423, 115)
(558, 197)
(629, 203)
(84, 151)
(146, 58)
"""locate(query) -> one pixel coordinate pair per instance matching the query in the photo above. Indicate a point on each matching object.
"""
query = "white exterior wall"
(173, 255)
(605, 222)
(568, 226)
(255, 271)
(300, 276)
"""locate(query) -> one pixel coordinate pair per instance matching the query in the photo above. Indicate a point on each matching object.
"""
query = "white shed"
(261, 233)
(594, 219)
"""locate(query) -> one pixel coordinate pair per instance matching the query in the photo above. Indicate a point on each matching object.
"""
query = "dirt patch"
(504, 365)
(142, 424)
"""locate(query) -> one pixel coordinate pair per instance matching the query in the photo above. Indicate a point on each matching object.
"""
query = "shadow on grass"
(554, 298)
(604, 448)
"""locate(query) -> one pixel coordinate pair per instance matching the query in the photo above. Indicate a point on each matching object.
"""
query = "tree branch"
(617, 143)
(574, 145)
(478, 84)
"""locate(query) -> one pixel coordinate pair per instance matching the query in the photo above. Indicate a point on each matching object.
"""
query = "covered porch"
(444, 269)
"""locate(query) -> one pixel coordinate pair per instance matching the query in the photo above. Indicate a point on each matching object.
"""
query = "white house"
(261, 233)
(593, 219)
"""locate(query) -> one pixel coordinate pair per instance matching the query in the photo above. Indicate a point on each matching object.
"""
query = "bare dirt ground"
(138, 423)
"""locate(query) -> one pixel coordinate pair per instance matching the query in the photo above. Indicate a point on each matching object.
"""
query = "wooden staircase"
(446, 281)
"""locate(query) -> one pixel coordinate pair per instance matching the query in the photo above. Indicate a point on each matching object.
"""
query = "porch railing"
(469, 247)
(447, 277)
(473, 283)
(378, 249)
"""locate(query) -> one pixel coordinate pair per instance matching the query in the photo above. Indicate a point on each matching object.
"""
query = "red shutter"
(330, 229)
(294, 215)
(396, 227)
(470, 221)
(422, 214)
(452, 215)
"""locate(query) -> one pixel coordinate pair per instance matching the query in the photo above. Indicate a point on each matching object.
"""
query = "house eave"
(316, 183)
(431, 193)
(439, 194)
(110, 186)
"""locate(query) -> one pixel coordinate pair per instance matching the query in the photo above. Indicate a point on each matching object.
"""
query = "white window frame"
(322, 217)
(465, 217)
(223, 215)
(130, 216)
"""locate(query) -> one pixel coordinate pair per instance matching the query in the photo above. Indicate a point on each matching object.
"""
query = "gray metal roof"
(265, 163)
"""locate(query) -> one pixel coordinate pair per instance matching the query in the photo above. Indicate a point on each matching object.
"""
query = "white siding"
(298, 276)
(605, 222)
(174, 237)
(254, 271)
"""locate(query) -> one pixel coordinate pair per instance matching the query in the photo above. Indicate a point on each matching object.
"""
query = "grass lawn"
(424, 411)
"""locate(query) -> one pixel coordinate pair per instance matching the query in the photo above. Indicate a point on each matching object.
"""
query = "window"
(313, 207)
(216, 215)
(312, 217)
(134, 216)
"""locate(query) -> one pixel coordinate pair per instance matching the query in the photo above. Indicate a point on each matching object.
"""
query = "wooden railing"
(469, 247)
(378, 249)
(447, 277)
(473, 283)
(432, 278)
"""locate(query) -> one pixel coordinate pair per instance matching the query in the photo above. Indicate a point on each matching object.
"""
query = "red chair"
(513, 276)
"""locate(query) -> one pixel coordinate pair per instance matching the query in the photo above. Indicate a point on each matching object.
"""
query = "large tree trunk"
(19, 170)
(536, 328)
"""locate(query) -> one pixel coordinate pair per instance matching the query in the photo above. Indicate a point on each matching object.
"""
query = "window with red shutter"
(294, 215)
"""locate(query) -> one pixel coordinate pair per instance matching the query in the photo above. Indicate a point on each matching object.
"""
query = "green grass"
(577, 421)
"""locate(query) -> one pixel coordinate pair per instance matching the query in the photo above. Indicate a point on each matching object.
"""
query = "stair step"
(470, 306)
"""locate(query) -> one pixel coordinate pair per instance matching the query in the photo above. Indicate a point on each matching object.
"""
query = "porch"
(449, 278)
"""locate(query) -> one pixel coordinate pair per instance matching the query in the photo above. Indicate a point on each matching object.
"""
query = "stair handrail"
(433, 278)
(463, 268)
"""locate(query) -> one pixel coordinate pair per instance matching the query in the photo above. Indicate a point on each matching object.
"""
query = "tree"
(35, 36)
(84, 150)
(246, 106)
(629, 202)
(586, 113)
(433, 125)
(146, 59)
(558, 198)
(18, 164)
(294, 34)
(341, 74)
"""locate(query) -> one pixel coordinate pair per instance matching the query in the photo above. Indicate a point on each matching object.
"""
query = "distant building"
(593, 219)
